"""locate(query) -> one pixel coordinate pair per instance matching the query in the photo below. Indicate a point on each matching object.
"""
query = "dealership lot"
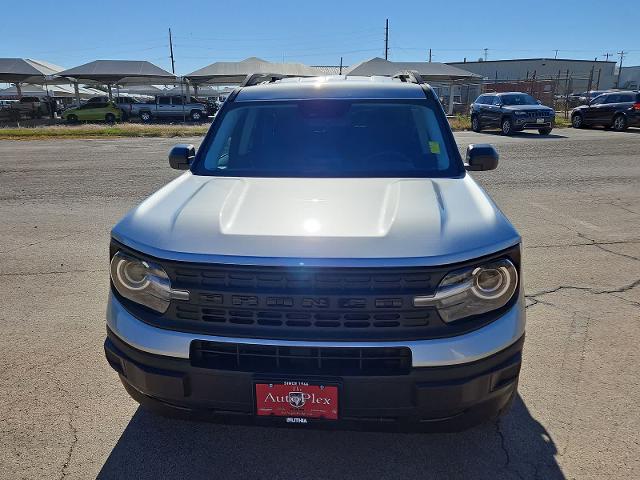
(574, 196)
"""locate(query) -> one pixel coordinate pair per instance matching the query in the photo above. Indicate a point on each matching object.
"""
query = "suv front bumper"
(450, 386)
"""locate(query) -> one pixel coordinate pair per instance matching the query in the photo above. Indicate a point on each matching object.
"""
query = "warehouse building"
(630, 78)
(568, 74)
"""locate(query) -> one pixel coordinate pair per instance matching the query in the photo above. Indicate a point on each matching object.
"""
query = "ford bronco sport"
(324, 260)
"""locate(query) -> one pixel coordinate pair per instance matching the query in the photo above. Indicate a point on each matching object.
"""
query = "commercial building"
(630, 78)
(568, 74)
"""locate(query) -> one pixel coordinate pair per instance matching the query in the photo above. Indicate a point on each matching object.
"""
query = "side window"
(599, 100)
(164, 100)
(495, 100)
(626, 98)
(612, 98)
(177, 100)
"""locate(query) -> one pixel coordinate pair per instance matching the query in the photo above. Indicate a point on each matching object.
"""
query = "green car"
(107, 111)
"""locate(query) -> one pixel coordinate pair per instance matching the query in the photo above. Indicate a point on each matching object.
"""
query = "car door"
(592, 113)
(164, 107)
(178, 108)
(608, 109)
(493, 112)
(477, 106)
(85, 111)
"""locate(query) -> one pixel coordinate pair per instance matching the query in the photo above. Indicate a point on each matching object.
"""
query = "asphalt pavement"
(575, 198)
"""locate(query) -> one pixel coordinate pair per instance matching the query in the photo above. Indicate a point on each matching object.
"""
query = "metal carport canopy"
(121, 72)
(26, 70)
(227, 73)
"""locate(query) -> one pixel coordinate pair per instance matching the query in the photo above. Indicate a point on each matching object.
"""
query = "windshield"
(518, 99)
(329, 138)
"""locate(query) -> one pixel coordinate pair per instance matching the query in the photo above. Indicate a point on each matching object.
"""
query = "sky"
(70, 33)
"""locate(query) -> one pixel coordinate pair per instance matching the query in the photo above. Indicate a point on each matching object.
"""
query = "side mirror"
(181, 156)
(480, 157)
(539, 102)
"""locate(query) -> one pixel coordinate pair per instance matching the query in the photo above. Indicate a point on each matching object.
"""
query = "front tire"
(110, 118)
(544, 131)
(475, 124)
(577, 121)
(619, 123)
(145, 117)
(506, 126)
(196, 115)
(72, 119)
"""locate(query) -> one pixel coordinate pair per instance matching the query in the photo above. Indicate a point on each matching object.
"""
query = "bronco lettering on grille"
(244, 301)
(322, 302)
(352, 303)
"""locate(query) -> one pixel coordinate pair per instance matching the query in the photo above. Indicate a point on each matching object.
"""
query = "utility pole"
(386, 40)
(340, 65)
(622, 54)
(173, 63)
(606, 56)
(429, 55)
(556, 54)
(486, 54)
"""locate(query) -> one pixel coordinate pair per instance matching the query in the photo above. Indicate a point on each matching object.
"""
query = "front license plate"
(540, 120)
(297, 399)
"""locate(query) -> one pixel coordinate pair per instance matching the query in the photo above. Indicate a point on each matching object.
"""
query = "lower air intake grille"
(301, 360)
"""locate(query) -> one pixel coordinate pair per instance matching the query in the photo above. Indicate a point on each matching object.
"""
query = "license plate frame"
(539, 120)
(313, 400)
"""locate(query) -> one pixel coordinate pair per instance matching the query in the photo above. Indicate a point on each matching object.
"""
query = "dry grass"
(99, 131)
(460, 122)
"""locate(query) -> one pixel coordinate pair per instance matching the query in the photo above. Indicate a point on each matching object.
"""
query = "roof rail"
(409, 76)
(256, 78)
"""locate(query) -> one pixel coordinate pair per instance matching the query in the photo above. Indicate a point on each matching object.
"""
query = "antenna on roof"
(256, 78)
(409, 76)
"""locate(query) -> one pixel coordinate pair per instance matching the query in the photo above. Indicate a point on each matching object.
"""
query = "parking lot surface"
(575, 198)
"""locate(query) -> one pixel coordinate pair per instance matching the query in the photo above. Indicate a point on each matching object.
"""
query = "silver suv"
(324, 260)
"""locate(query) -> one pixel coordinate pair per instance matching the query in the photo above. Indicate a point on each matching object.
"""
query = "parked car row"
(516, 111)
(124, 107)
(32, 107)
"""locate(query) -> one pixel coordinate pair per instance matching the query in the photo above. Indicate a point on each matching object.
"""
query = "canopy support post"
(451, 88)
(18, 90)
(110, 94)
(76, 90)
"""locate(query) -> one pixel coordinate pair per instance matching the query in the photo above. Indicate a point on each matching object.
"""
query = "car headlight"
(473, 290)
(143, 282)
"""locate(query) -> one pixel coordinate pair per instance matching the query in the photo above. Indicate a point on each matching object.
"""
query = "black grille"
(308, 303)
(306, 319)
(312, 303)
(301, 360)
(329, 280)
(538, 113)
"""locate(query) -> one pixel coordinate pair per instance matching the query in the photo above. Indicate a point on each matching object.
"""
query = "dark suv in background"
(617, 110)
(511, 112)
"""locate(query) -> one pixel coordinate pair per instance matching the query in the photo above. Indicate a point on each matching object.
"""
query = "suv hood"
(526, 107)
(284, 220)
